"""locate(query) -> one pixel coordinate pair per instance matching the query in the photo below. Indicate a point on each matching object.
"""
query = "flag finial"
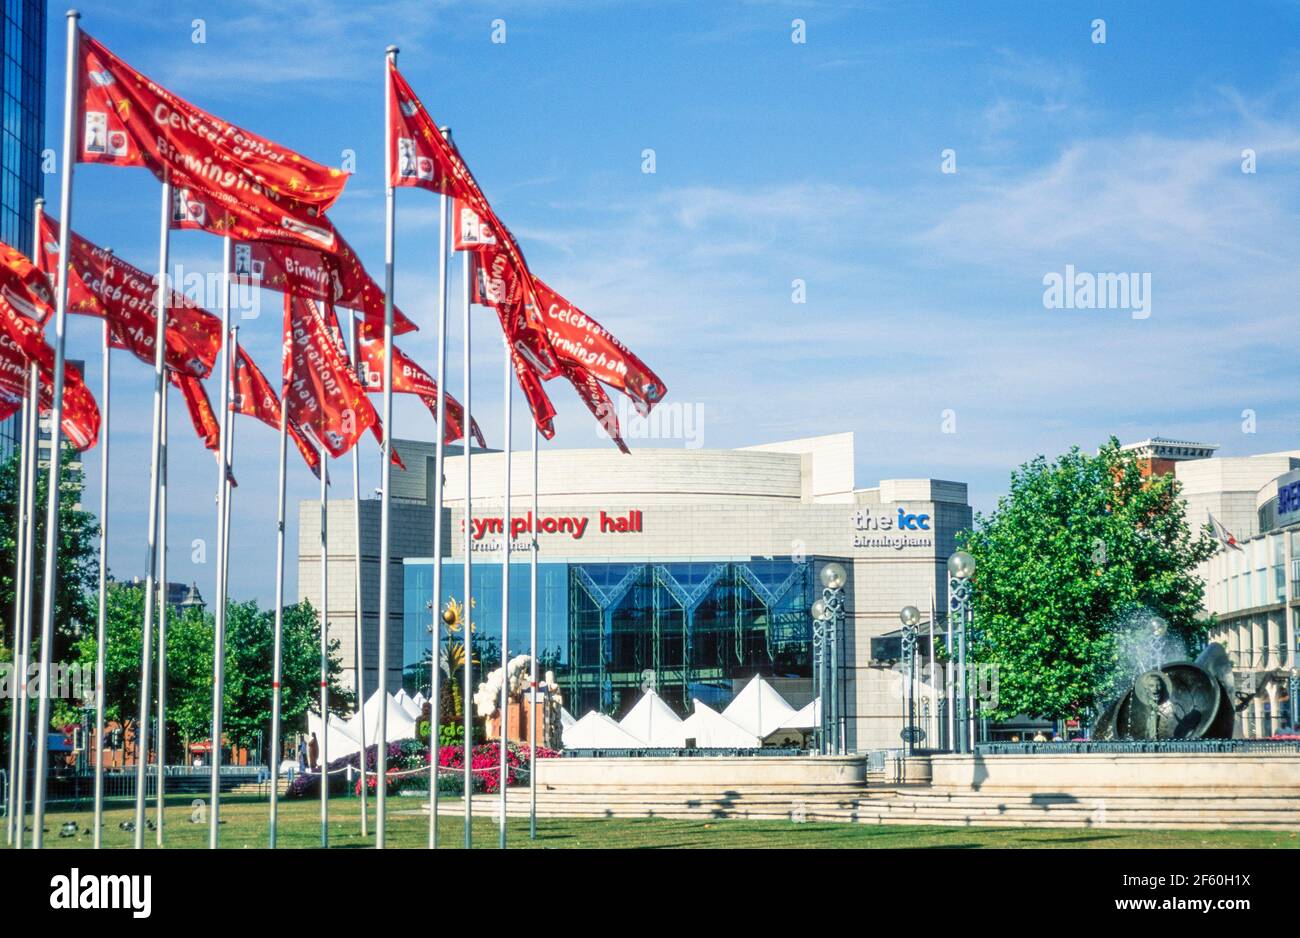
(74, 14)
(392, 50)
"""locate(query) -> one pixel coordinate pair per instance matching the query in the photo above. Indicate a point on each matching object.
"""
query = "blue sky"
(775, 162)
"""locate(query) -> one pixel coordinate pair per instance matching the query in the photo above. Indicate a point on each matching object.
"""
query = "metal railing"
(683, 753)
(1140, 746)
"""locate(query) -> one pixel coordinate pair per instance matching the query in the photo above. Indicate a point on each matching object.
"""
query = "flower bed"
(407, 769)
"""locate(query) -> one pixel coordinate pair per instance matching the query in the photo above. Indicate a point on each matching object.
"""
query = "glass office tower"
(22, 88)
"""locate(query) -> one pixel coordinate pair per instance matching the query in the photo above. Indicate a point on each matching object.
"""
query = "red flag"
(324, 397)
(21, 344)
(578, 339)
(129, 120)
(470, 230)
(410, 378)
(200, 409)
(23, 286)
(334, 277)
(597, 401)
(254, 397)
(105, 286)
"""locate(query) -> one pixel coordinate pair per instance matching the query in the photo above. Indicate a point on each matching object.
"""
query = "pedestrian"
(313, 753)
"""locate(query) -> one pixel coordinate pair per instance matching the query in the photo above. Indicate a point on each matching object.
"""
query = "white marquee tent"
(654, 721)
(711, 730)
(759, 709)
(598, 731)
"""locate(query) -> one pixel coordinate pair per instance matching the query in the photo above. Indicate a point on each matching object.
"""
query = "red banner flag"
(21, 344)
(578, 339)
(323, 395)
(254, 397)
(333, 277)
(200, 409)
(24, 286)
(105, 286)
(410, 378)
(129, 120)
(470, 231)
(597, 401)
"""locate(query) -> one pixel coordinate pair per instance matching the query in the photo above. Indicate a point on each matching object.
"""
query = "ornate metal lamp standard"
(910, 616)
(827, 614)
(961, 567)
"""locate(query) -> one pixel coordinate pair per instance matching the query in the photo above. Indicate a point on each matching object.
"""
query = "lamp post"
(910, 616)
(826, 614)
(961, 567)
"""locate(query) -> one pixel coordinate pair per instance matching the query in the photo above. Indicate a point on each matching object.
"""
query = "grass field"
(244, 825)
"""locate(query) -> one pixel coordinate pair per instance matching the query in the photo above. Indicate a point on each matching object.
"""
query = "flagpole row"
(151, 567)
(532, 652)
(101, 619)
(29, 585)
(56, 434)
(467, 628)
(439, 449)
(508, 398)
(358, 639)
(219, 624)
(323, 743)
(277, 653)
(160, 745)
(390, 205)
(16, 741)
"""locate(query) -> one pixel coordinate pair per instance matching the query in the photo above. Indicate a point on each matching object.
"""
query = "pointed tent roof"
(407, 703)
(338, 738)
(598, 731)
(758, 709)
(654, 721)
(400, 725)
(711, 730)
(567, 719)
(806, 718)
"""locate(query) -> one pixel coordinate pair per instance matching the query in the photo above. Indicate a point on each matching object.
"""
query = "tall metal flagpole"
(223, 594)
(161, 736)
(532, 652)
(948, 685)
(435, 666)
(24, 650)
(323, 742)
(16, 741)
(146, 645)
(56, 433)
(219, 623)
(933, 722)
(505, 584)
(101, 621)
(279, 628)
(381, 768)
(358, 644)
(466, 630)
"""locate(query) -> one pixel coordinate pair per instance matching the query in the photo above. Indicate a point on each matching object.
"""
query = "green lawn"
(245, 822)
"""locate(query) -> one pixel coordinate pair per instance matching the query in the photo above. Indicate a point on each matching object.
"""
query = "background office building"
(22, 135)
(1252, 589)
(684, 570)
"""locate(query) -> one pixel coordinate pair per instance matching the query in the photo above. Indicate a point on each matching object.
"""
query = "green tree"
(76, 581)
(1074, 548)
(249, 651)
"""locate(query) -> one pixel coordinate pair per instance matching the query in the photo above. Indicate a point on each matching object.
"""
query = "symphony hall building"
(685, 570)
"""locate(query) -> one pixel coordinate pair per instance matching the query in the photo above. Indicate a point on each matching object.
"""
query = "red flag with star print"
(254, 397)
(21, 345)
(105, 286)
(593, 395)
(336, 277)
(410, 378)
(129, 120)
(578, 339)
(24, 286)
(323, 395)
(200, 409)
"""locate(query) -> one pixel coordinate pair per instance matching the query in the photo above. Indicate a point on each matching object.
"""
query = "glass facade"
(22, 135)
(608, 630)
